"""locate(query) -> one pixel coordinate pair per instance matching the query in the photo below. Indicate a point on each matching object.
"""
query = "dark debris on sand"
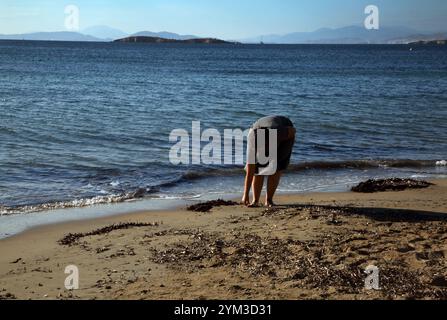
(73, 238)
(334, 261)
(393, 184)
(208, 206)
(281, 260)
(249, 252)
(333, 214)
(4, 295)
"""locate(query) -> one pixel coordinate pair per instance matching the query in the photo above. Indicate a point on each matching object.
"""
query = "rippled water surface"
(84, 123)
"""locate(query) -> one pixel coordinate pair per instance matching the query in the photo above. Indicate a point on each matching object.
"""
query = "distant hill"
(51, 36)
(345, 35)
(164, 35)
(95, 33)
(144, 39)
(104, 32)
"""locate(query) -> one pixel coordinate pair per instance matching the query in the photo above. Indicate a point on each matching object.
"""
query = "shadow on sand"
(377, 214)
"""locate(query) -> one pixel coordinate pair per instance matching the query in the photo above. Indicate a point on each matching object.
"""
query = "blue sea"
(88, 123)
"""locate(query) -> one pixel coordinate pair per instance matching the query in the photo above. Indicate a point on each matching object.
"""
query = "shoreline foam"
(153, 192)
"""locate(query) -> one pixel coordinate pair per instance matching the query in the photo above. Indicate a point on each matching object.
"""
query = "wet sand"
(313, 246)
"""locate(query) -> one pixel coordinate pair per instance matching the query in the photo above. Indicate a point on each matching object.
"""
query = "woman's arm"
(250, 173)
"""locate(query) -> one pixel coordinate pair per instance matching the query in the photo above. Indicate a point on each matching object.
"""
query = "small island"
(142, 39)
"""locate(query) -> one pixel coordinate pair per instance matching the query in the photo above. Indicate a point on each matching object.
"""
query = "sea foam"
(441, 163)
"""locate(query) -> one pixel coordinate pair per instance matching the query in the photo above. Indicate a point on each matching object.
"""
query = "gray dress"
(284, 143)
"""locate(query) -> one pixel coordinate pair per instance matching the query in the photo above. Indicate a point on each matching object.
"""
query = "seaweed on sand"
(208, 206)
(394, 184)
(72, 238)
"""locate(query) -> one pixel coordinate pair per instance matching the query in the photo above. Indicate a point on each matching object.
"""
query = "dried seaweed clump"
(72, 238)
(394, 184)
(208, 206)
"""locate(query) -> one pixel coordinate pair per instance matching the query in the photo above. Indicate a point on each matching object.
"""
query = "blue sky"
(229, 19)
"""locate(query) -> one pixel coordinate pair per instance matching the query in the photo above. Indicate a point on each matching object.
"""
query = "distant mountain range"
(104, 32)
(50, 36)
(95, 33)
(346, 35)
(164, 35)
(107, 33)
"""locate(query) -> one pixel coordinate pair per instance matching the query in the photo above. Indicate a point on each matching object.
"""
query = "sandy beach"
(312, 246)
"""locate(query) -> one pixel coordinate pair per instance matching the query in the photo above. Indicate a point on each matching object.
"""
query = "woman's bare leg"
(258, 183)
(272, 185)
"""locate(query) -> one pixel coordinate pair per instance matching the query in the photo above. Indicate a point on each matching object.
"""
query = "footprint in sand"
(422, 256)
(407, 248)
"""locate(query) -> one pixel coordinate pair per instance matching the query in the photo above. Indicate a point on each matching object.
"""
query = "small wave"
(7, 130)
(115, 183)
(317, 165)
(322, 147)
(418, 176)
(441, 163)
(188, 197)
(363, 164)
(152, 191)
(219, 172)
(78, 203)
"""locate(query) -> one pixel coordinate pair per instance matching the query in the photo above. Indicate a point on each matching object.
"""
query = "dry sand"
(313, 246)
